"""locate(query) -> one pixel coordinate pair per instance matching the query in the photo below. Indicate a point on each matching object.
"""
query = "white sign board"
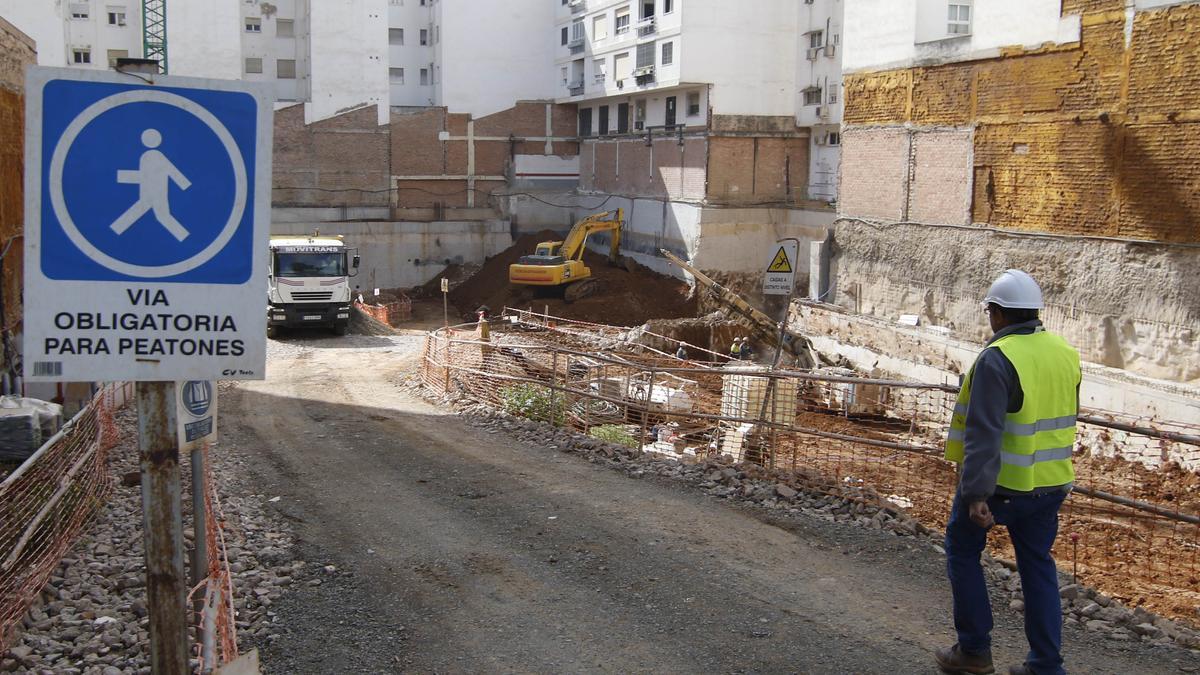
(781, 268)
(147, 210)
(196, 413)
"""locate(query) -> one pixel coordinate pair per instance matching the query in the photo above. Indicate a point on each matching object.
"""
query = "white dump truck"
(308, 283)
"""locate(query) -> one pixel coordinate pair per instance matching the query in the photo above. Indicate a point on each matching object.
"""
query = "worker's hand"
(981, 515)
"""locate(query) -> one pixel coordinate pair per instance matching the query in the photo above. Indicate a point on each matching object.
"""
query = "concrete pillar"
(818, 270)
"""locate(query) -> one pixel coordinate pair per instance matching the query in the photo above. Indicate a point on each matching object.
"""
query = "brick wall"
(757, 170)
(16, 51)
(874, 173)
(939, 188)
(349, 160)
(1086, 138)
(629, 167)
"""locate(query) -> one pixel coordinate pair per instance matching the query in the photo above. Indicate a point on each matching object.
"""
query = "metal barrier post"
(163, 524)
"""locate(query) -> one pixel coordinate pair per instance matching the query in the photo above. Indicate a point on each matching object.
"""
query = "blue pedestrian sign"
(196, 413)
(147, 208)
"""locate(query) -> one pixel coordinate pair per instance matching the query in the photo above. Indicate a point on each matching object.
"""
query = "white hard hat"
(1015, 290)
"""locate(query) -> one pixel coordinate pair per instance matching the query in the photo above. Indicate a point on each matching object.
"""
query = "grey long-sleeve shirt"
(995, 392)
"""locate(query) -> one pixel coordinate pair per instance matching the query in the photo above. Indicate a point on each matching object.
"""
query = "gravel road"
(451, 548)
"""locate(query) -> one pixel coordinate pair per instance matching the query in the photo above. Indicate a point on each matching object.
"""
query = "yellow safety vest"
(1036, 445)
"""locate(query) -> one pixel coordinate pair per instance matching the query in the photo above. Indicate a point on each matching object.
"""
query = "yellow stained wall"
(1090, 138)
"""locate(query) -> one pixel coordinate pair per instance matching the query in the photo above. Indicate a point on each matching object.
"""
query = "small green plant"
(614, 433)
(532, 401)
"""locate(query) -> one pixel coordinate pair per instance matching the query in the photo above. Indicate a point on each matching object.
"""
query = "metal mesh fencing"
(1131, 528)
(46, 503)
(217, 643)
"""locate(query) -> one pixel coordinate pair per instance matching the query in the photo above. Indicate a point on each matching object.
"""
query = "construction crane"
(559, 264)
(764, 328)
(154, 32)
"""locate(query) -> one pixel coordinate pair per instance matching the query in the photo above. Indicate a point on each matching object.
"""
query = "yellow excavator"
(560, 263)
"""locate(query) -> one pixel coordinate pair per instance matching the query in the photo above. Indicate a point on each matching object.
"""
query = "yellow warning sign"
(780, 263)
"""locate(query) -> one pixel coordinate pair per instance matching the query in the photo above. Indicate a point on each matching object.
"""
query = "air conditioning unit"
(830, 50)
(575, 3)
(813, 53)
(643, 71)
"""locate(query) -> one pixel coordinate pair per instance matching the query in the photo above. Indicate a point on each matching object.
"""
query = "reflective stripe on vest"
(1037, 440)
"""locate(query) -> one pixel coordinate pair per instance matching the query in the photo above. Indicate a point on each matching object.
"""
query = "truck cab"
(308, 283)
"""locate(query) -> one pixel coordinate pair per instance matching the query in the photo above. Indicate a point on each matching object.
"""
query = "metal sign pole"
(162, 520)
(446, 304)
(787, 305)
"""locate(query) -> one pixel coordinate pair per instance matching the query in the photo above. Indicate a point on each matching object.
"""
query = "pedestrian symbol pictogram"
(780, 262)
(153, 177)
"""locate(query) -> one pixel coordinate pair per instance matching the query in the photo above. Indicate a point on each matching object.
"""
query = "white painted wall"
(493, 54)
(656, 107)
(746, 55)
(41, 20)
(883, 34)
(825, 70)
(204, 39)
(348, 44)
(410, 16)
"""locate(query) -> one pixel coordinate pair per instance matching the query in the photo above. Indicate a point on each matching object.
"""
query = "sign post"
(147, 208)
(446, 304)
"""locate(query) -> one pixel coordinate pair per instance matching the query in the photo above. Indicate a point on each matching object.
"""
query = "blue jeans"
(1032, 523)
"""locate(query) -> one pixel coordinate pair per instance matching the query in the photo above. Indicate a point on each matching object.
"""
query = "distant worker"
(735, 349)
(358, 294)
(1012, 433)
(681, 353)
(746, 352)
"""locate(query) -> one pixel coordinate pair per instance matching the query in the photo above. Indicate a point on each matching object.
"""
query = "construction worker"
(746, 352)
(735, 349)
(1012, 434)
(681, 353)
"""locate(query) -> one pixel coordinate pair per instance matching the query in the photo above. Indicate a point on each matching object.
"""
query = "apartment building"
(83, 34)
(411, 49)
(819, 93)
(1056, 136)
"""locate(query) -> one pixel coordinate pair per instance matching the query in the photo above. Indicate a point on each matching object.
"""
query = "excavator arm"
(573, 245)
(765, 329)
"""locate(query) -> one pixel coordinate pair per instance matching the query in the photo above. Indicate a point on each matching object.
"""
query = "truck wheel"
(340, 328)
(272, 332)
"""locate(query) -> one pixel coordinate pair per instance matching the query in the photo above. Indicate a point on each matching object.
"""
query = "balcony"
(575, 88)
(600, 78)
(646, 27)
(577, 6)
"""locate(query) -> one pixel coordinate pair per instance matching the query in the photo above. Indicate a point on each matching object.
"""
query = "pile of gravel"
(91, 616)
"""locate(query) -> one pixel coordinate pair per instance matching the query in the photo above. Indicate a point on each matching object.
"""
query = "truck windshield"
(310, 264)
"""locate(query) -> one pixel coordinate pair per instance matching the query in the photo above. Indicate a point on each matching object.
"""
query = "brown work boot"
(955, 660)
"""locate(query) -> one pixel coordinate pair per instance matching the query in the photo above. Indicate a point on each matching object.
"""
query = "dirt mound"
(624, 298)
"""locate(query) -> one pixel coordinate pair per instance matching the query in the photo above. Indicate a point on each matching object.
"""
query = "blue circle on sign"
(197, 397)
(147, 183)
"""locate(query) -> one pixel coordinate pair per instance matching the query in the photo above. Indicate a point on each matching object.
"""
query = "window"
(670, 111)
(253, 65)
(564, 73)
(565, 35)
(424, 36)
(285, 28)
(603, 124)
(812, 96)
(395, 36)
(959, 19)
(621, 24)
(668, 53)
(253, 25)
(396, 75)
(114, 54)
(437, 34)
(639, 113)
(648, 10)
(622, 118)
(668, 6)
(81, 55)
(425, 76)
(816, 39)
(833, 93)
(693, 103)
(600, 68)
(599, 26)
(621, 67)
(834, 138)
(577, 34)
(116, 15)
(645, 55)
(80, 10)
(285, 69)
(585, 121)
